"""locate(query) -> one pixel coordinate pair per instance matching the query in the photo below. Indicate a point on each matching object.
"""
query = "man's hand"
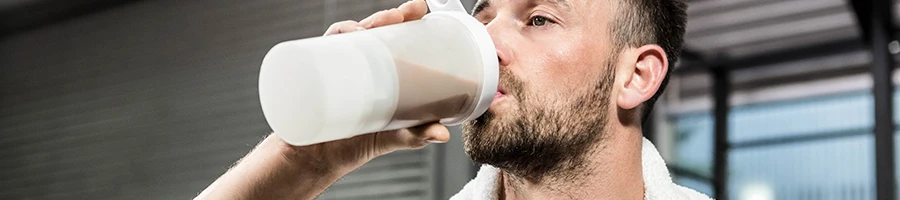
(277, 170)
(409, 11)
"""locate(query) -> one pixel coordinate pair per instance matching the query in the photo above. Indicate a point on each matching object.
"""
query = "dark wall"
(155, 99)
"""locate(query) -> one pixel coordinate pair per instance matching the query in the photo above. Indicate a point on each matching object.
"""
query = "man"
(577, 78)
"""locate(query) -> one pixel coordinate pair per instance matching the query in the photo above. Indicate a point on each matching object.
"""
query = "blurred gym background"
(154, 99)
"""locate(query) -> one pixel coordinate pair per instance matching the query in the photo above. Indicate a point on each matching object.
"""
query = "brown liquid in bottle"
(430, 95)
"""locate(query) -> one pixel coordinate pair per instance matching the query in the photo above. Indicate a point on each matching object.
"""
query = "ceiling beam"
(774, 57)
(23, 15)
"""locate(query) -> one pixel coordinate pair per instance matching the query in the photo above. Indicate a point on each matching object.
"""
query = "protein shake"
(442, 68)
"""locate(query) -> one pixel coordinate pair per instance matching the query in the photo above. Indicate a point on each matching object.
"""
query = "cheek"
(564, 71)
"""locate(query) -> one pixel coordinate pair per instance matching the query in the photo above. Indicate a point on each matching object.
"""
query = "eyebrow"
(484, 4)
(480, 6)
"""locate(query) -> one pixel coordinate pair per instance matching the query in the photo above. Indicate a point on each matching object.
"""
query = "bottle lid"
(489, 61)
(445, 5)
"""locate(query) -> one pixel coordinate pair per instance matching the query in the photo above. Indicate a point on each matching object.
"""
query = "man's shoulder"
(482, 187)
(658, 182)
(675, 192)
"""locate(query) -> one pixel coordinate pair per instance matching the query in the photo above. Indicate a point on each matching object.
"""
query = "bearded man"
(577, 79)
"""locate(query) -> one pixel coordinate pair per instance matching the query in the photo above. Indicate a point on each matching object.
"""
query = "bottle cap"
(489, 61)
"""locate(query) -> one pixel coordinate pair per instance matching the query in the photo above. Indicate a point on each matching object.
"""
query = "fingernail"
(360, 28)
(436, 141)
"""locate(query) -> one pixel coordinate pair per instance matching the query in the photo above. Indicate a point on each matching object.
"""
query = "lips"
(500, 96)
(500, 93)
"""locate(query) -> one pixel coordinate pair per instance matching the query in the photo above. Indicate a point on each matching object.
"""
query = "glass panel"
(848, 112)
(896, 129)
(839, 168)
(694, 143)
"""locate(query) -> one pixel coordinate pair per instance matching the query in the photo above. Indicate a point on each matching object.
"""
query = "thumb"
(433, 133)
(411, 138)
(413, 10)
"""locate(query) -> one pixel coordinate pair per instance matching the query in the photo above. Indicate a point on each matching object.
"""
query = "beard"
(536, 140)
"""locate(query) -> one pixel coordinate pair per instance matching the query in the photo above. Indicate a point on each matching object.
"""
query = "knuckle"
(341, 24)
(376, 15)
(417, 143)
(348, 22)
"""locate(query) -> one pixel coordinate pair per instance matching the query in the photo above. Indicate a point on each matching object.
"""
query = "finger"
(433, 133)
(412, 138)
(413, 10)
(390, 141)
(382, 18)
(344, 27)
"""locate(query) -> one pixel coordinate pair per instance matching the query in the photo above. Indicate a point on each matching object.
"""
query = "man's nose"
(499, 34)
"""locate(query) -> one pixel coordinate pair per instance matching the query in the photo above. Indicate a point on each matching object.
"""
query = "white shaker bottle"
(441, 68)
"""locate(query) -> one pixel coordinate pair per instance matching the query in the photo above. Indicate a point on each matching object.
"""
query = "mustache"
(512, 85)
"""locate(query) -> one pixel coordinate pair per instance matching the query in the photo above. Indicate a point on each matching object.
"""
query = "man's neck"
(615, 172)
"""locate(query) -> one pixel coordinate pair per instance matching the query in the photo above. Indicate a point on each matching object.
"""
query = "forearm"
(274, 170)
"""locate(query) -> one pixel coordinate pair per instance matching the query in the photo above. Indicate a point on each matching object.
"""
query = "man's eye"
(539, 21)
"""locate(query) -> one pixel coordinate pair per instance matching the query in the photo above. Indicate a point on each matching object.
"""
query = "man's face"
(557, 71)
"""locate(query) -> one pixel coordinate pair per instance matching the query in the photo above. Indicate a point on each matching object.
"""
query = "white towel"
(658, 184)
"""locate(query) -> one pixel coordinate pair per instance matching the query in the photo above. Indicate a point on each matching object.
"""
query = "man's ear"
(650, 66)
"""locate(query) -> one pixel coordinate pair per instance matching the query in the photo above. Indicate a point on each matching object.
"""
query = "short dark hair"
(660, 22)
